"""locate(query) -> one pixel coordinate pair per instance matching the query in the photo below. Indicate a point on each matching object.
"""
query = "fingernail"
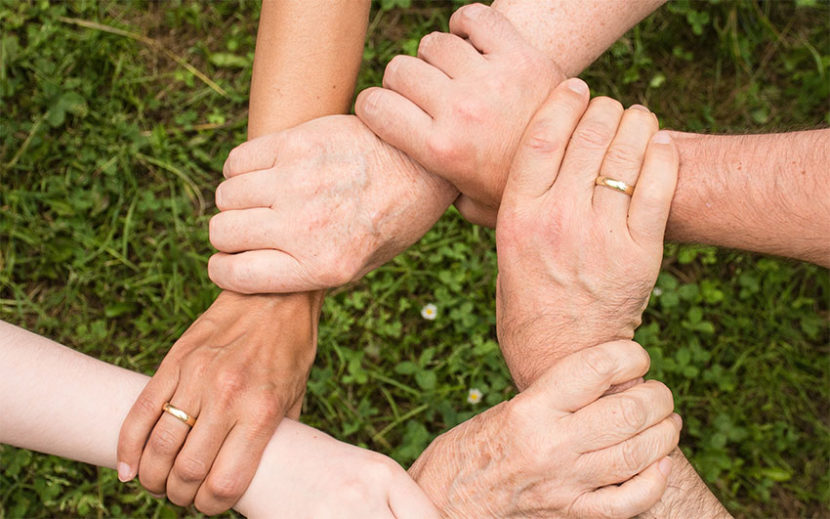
(578, 86)
(640, 108)
(677, 420)
(157, 496)
(665, 466)
(661, 137)
(125, 473)
(473, 11)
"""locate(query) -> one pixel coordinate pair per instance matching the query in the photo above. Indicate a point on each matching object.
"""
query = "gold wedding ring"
(617, 185)
(178, 413)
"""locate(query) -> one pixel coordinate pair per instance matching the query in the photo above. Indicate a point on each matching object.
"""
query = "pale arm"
(58, 401)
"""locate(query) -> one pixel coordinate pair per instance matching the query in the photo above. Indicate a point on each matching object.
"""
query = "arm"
(261, 347)
(761, 193)
(56, 400)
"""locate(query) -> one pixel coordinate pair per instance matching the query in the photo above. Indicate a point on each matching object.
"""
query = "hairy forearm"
(761, 193)
(686, 495)
(573, 33)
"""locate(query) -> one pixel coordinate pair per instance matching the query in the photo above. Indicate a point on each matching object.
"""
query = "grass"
(116, 118)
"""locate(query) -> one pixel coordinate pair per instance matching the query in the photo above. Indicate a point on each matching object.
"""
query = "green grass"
(110, 149)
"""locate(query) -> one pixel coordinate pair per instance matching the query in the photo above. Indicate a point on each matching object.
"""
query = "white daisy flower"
(429, 312)
(474, 396)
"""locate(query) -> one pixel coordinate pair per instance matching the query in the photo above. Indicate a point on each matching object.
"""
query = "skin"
(56, 400)
(242, 366)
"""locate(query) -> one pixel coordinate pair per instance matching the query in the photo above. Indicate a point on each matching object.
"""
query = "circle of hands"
(480, 118)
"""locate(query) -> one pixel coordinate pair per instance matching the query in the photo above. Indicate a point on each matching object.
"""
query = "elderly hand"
(318, 206)
(460, 107)
(238, 370)
(577, 261)
(307, 474)
(560, 448)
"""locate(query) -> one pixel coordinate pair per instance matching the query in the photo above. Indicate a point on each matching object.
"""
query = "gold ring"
(617, 185)
(178, 413)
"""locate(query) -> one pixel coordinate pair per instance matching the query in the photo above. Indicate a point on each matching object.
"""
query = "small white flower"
(474, 396)
(657, 291)
(429, 312)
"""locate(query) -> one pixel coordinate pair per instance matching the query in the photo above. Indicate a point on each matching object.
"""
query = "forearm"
(686, 496)
(760, 193)
(305, 66)
(573, 33)
(58, 401)
(308, 53)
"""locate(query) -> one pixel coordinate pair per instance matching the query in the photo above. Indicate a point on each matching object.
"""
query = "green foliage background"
(110, 150)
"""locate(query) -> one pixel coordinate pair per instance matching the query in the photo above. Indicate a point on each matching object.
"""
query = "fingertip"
(662, 137)
(125, 472)
(664, 466)
(367, 101)
(576, 85)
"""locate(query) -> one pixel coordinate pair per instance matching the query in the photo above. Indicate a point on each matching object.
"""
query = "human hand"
(239, 368)
(577, 261)
(559, 448)
(318, 206)
(460, 107)
(305, 473)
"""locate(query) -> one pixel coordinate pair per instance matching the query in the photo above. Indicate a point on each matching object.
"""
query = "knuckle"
(599, 362)
(469, 111)
(429, 42)
(229, 382)
(630, 458)
(621, 154)
(190, 469)
(592, 134)
(224, 487)
(541, 137)
(164, 442)
(232, 163)
(607, 104)
(632, 412)
(443, 148)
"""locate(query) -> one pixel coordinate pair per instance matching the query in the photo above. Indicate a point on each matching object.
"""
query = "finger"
(623, 162)
(408, 501)
(543, 144)
(255, 189)
(165, 441)
(586, 149)
(296, 409)
(256, 154)
(417, 81)
(476, 213)
(194, 461)
(395, 119)
(652, 197)
(487, 29)
(450, 54)
(247, 229)
(623, 460)
(615, 418)
(582, 377)
(141, 419)
(630, 499)
(233, 469)
(260, 272)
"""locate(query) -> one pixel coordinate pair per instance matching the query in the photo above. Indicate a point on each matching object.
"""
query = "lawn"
(116, 117)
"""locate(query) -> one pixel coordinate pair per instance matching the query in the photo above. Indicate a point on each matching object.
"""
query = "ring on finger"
(617, 185)
(188, 420)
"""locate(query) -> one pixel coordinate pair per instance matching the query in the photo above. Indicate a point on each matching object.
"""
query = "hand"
(460, 107)
(559, 448)
(318, 206)
(238, 369)
(577, 261)
(307, 474)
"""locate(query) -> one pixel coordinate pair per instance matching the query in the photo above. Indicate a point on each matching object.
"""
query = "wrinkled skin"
(318, 206)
